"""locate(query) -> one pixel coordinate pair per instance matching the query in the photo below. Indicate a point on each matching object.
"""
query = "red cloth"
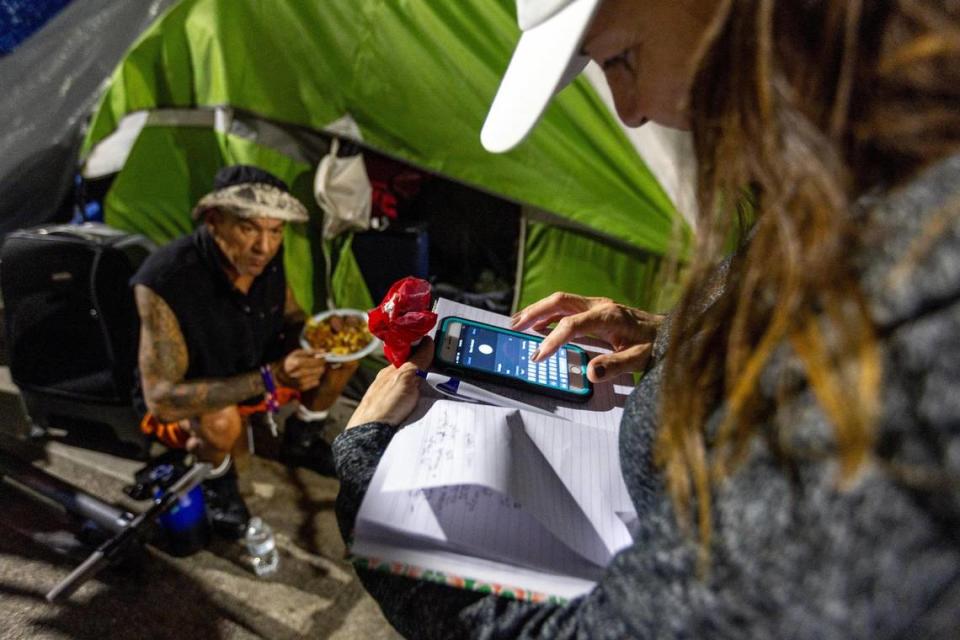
(394, 184)
(402, 318)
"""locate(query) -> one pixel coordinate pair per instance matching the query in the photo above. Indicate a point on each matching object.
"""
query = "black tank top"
(226, 332)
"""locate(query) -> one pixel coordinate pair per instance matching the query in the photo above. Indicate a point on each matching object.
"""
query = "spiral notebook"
(498, 499)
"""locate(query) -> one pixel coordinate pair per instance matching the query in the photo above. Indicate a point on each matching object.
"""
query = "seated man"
(217, 321)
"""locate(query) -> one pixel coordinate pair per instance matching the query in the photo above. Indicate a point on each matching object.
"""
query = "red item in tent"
(394, 184)
(402, 318)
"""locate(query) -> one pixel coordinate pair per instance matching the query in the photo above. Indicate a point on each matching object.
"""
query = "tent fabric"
(110, 155)
(50, 85)
(347, 285)
(559, 259)
(417, 78)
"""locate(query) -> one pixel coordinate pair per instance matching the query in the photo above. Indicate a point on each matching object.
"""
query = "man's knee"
(221, 429)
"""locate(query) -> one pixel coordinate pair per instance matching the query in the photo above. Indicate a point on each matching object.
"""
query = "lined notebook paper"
(498, 498)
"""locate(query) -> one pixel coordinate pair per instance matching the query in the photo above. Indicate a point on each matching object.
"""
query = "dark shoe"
(304, 446)
(225, 506)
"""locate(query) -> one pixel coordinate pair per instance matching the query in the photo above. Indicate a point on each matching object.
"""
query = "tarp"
(48, 88)
(416, 77)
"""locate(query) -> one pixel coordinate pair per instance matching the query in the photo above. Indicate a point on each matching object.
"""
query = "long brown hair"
(798, 108)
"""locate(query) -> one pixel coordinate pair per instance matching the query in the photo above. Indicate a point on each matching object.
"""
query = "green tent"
(215, 82)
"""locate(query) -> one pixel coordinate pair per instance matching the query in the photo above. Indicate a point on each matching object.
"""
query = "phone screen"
(506, 353)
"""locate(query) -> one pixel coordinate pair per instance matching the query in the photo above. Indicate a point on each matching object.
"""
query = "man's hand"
(395, 390)
(301, 369)
(630, 332)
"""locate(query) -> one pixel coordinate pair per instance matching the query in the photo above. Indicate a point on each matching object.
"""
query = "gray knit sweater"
(794, 555)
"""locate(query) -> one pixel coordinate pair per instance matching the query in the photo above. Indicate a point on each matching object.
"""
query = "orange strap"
(172, 434)
(284, 395)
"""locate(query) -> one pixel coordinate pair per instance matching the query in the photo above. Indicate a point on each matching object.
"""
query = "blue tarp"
(20, 18)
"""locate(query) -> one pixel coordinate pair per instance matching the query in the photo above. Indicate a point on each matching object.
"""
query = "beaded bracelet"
(270, 388)
(270, 395)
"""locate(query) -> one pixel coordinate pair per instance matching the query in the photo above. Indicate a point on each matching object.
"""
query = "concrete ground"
(211, 594)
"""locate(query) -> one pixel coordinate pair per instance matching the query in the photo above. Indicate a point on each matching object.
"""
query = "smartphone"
(479, 351)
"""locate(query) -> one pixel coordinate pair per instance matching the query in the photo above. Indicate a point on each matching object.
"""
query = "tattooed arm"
(163, 363)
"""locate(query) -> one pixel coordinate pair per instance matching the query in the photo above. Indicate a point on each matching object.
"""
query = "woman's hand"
(395, 390)
(630, 332)
(301, 369)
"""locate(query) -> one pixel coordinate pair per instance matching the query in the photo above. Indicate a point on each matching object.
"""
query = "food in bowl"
(338, 334)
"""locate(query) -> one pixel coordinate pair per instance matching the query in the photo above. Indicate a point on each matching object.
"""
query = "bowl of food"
(341, 334)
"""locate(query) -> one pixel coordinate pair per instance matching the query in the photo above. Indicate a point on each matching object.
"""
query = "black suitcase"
(72, 327)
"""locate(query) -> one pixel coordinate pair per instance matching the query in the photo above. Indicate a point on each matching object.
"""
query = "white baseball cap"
(546, 59)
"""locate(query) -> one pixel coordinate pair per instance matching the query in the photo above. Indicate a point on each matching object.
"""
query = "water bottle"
(261, 547)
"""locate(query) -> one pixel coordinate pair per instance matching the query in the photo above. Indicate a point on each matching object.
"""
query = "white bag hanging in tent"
(343, 191)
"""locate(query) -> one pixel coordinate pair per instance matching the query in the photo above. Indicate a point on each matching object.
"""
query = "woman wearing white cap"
(793, 452)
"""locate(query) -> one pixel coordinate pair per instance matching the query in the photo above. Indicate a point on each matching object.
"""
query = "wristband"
(311, 416)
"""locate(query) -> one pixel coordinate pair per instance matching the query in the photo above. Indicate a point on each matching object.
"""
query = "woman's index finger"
(554, 306)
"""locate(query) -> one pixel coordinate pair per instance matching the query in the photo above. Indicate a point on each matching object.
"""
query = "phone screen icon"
(506, 354)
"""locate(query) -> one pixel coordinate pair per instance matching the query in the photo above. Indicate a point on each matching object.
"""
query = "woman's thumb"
(609, 365)
(423, 354)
